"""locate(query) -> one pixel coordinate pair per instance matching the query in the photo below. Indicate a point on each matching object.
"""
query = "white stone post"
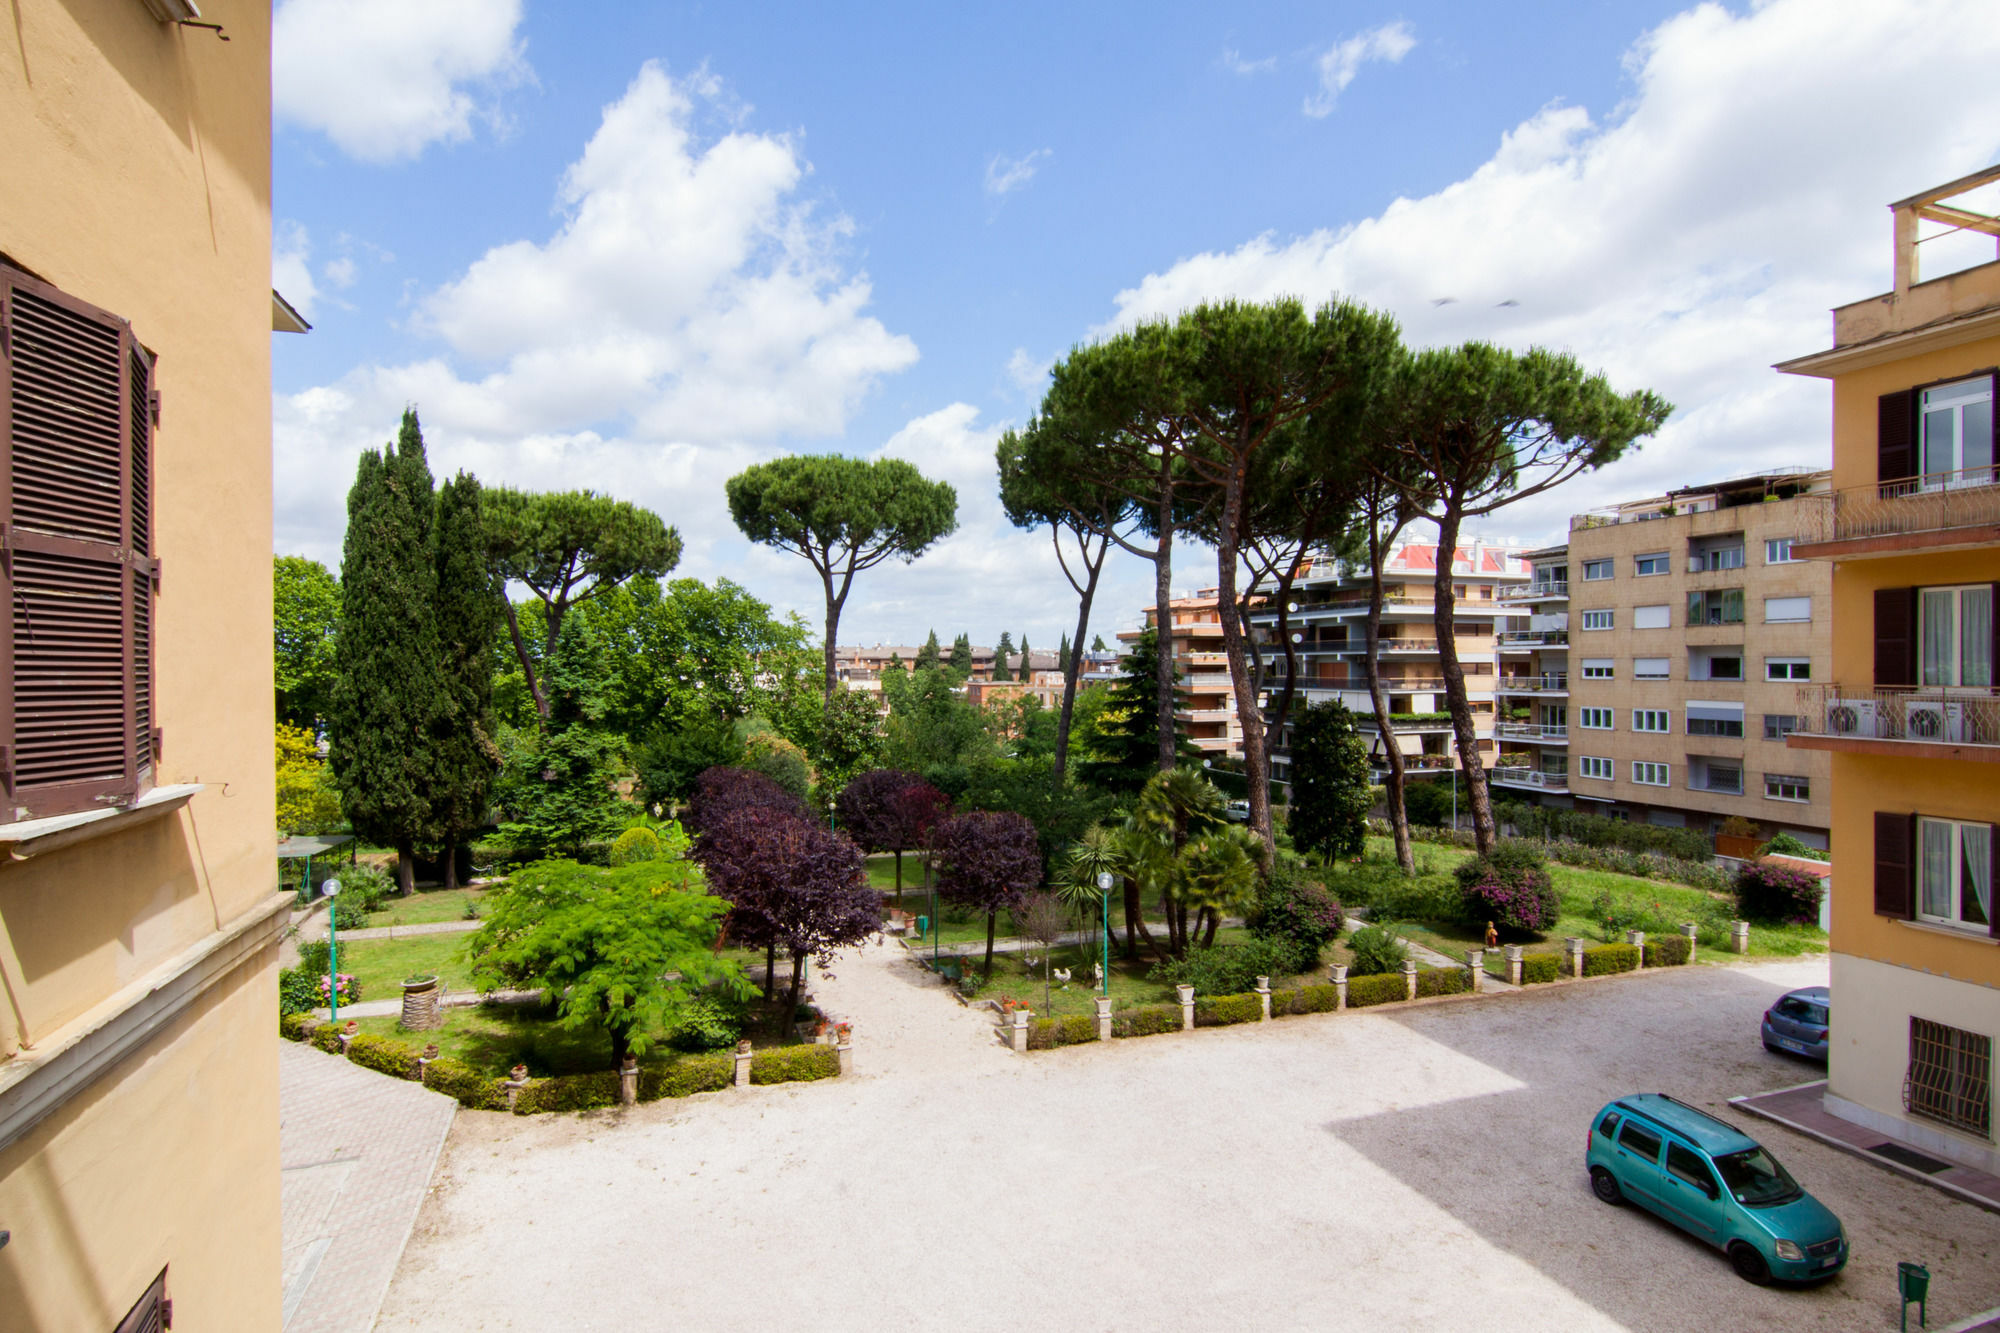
(742, 1064)
(1574, 944)
(1637, 939)
(1103, 1017)
(843, 1046)
(628, 1082)
(1409, 978)
(1187, 1007)
(1339, 986)
(1018, 1034)
(1693, 933)
(1264, 995)
(1514, 963)
(515, 1084)
(1739, 937)
(1475, 964)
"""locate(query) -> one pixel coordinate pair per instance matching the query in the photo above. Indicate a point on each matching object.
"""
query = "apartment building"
(1909, 716)
(1657, 677)
(1328, 615)
(139, 912)
(1207, 716)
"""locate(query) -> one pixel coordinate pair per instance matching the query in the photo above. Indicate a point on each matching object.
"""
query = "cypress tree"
(1004, 650)
(1026, 672)
(388, 701)
(1062, 653)
(1129, 735)
(961, 656)
(927, 656)
(468, 622)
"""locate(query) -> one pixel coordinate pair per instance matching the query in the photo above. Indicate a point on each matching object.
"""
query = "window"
(1644, 565)
(1950, 1076)
(1778, 551)
(1955, 436)
(152, 1312)
(1785, 610)
(1652, 719)
(1640, 1141)
(79, 420)
(1712, 666)
(1788, 668)
(1650, 668)
(1722, 606)
(1717, 776)
(1651, 617)
(1593, 570)
(1955, 633)
(1590, 766)
(1597, 620)
(1597, 668)
(1650, 774)
(1715, 558)
(1780, 788)
(1955, 873)
(1594, 719)
(1714, 719)
(1777, 726)
(1608, 1126)
(1688, 1166)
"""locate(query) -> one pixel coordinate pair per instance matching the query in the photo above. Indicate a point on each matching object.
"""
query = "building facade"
(1909, 718)
(1328, 616)
(1207, 715)
(1657, 676)
(139, 915)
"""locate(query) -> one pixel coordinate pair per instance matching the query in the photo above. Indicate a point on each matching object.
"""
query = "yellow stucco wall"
(137, 157)
(1855, 394)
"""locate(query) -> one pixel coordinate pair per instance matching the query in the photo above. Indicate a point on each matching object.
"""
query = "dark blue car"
(1797, 1023)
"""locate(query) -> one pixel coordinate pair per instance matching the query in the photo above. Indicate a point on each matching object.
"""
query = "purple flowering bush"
(1511, 888)
(1771, 893)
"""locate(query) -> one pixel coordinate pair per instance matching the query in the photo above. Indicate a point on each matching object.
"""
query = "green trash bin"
(1913, 1283)
(923, 927)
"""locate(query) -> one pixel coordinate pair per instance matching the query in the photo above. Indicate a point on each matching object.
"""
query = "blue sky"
(638, 252)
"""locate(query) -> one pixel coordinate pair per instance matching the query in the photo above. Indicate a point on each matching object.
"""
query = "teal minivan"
(1714, 1182)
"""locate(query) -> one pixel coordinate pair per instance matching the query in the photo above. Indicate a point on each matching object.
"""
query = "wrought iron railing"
(1547, 680)
(1943, 715)
(1531, 777)
(1937, 502)
(1534, 637)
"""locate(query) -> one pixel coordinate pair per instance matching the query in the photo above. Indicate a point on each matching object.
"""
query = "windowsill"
(1970, 934)
(32, 837)
(1793, 800)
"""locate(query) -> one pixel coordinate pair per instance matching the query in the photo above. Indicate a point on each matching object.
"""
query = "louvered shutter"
(153, 1314)
(1895, 864)
(75, 554)
(1895, 636)
(1896, 436)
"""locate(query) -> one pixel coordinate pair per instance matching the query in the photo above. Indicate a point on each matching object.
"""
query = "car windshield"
(1755, 1178)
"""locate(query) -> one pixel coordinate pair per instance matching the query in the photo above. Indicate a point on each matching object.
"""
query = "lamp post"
(332, 890)
(1104, 897)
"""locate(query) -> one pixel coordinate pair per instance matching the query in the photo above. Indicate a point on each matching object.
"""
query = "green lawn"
(381, 965)
(496, 1037)
(425, 907)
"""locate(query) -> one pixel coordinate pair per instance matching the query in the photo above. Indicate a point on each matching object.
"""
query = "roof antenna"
(215, 28)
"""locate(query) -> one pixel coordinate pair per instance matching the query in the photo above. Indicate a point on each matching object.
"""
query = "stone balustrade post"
(844, 1047)
(1637, 939)
(518, 1081)
(1017, 1036)
(348, 1031)
(424, 1059)
(1739, 937)
(1103, 1017)
(1693, 933)
(1187, 1007)
(1573, 944)
(1514, 963)
(1264, 995)
(1339, 986)
(1475, 965)
(742, 1064)
(628, 1082)
(1409, 978)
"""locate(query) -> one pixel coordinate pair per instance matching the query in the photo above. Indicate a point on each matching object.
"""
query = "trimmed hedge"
(326, 1036)
(1540, 968)
(1069, 1030)
(383, 1055)
(1443, 981)
(567, 1092)
(469, 1087)
(1606, 959)
(1223, 1010)
(1667, 951)
(794, 1064)
(1146, 1020)
(687, 1075)
(1305, 1000)
(292, 1027)
(1386, 988)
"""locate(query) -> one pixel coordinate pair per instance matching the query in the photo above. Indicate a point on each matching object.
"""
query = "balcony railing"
(1527, 592)
(1406, 644)
(1534, 638)
(1938, 502)
(1531, 731)
(1531, 777)
(1548, 680)
(1933, 715)
(1418, 763)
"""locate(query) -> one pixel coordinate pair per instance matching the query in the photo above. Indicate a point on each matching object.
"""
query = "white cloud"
(1339, 63)
(339, 272)
(689, 316)
(1236, 63)
(291, 266)
(1005, 174)
(1683, 244)
(384, 79)
(1029, 373)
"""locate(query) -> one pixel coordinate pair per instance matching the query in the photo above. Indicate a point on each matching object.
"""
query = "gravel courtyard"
(1387, 1169)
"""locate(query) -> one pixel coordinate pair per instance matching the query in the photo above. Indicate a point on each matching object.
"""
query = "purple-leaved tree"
(988, 859)
(889, 810)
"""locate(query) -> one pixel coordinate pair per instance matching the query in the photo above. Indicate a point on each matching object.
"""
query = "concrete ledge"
(32, 837)
(1799, 1108)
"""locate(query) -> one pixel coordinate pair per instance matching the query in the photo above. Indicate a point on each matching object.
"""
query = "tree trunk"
(1073, 667)
(770, 967)
(1214, 920)
(1485, 836)
(406, 868)
(1163, 598)
(1256, 764)
(527, 667)
(1399, 818)
(798, 982)
(621, 1043)
(991, 914)
(899, 879)
(1135, 922)
(832, 632)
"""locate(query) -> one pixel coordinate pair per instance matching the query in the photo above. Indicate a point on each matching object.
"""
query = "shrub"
(1069, 1030)
(1422, 897)
(1227, 969)
(471, 1088)
(383, 1055)
(348, 913)
(1386, 988)
(366, 884)
(1306, 1000)
(1606, 959)
(1146, 1020)
(298, 991)
(568, 1092)
(1223, 1010)
(704, 1025)
(794, 1064)
(1298, 912)
(312, 958)
(635, 844)
(1375, 950)
(688, 1075)
(1443, 981)
(1667, 951)
(1770, 893)
(326, 1037)
(1786, 845)
(1510, 888)
(1581, 827)
(1540, 968)
(292, 1027)
(1429, 802)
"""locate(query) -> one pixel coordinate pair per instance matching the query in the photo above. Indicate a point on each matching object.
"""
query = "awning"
(1714, 712)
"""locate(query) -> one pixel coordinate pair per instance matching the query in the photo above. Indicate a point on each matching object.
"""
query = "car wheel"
(1605, 1185)
(1749, 1264)
(1772, 1049)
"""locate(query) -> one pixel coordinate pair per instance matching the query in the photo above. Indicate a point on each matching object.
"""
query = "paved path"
(406, 932)
(357, 1151)
(1402, 1168)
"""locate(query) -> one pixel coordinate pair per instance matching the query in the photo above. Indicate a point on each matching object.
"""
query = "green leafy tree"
(933, 732)
(1026, 671)
(602, 944)
(1180, 844)
(987, 860)
(842, 515)
(670, 758)
(468, 617)
(389, 700)
(305, 606)
(558, 785)
(961, 657)
(928, 655)
(1097, 644)
(1125, 739)
(1063, 654)
(568, 547)
(1331, 795)
(1002, 651)
(850, 736)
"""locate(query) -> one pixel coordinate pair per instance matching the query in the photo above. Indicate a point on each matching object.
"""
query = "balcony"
(1549, 682)
(1417, 763)
(1532, 779)
(1938, 512)
(1406, 643)
(1541, 590)
(1931, 722)
(1532, 731)
(1523, 639)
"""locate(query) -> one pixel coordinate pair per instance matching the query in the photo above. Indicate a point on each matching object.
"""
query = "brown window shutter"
(1895, 636)
(74, 387)
(153, 1313)
(1895, 864)
(1896, 436)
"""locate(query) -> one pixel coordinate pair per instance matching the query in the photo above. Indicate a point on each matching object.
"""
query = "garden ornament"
(1062, 975)
(1492, 936)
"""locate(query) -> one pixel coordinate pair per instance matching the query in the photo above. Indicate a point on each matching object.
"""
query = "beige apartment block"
(1327, 614)
(1207, 715)
(139, 911)
(1659, 675)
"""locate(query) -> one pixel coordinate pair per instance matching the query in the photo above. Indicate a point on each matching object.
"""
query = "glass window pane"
(1937, 636)
(1936, 868)
(1978, 425)
(1975, 906)
(1975, 617)
(1940, 443)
